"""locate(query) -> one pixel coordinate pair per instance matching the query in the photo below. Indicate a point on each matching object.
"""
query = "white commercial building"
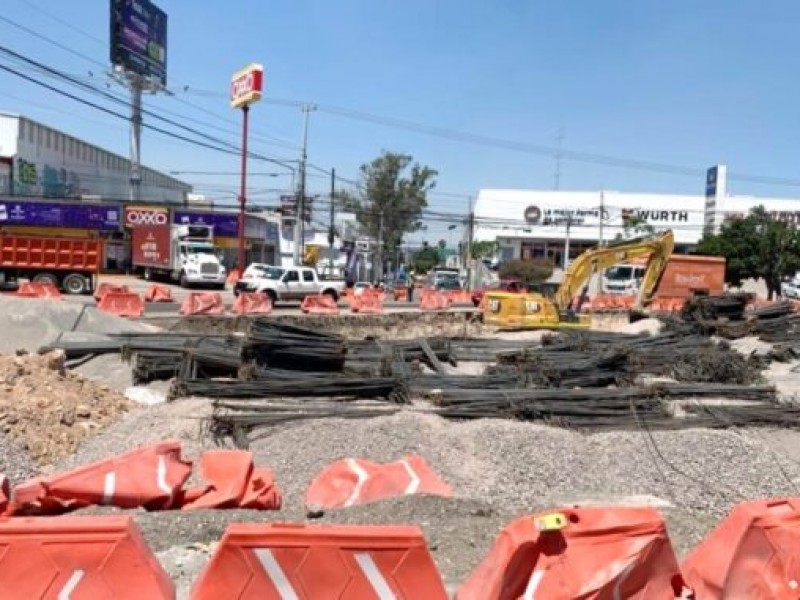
(538, 223)
(38, 160)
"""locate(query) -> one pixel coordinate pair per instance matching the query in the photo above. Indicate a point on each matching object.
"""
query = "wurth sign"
(145, 215)
(246, 85)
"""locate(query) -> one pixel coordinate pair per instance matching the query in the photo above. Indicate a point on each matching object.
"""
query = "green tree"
(635, 226)
(391, 197)
(424, 260)
(527, 270)
(757, 247)
(485, 249)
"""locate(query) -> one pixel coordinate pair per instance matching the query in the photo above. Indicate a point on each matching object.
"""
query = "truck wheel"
(332, 294)
(184, 281)
(273, 298)
(46, 278)
(148, 274)
(75, 283)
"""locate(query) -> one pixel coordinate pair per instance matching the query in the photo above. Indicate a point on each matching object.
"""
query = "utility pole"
(379, 270)
(566, 243)
(470, 234)
(602, 217)
(136, 137)
(557, 175)
(301, 196)
(330, 230)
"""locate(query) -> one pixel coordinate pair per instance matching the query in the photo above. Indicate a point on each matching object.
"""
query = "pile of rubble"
(49, 411)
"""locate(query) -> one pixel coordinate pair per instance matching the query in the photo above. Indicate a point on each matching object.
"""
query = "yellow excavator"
(532, 311)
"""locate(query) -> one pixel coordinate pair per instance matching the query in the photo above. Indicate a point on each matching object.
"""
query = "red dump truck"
(684, 276)
(71, 264)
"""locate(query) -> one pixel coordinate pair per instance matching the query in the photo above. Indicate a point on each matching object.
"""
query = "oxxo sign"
(145, 215)
(246, 85)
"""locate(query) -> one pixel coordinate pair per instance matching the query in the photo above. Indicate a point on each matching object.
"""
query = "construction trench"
(687, 415)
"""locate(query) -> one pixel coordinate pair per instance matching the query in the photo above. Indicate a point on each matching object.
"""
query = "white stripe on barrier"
(161, 477)
(109, 485)
(72, 583)
(361, 479)
(276, 574)
(533, 585)
(374, 576)
(621, 579)
(413, 485)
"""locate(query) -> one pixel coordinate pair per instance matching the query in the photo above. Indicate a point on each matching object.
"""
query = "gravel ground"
(15, 462)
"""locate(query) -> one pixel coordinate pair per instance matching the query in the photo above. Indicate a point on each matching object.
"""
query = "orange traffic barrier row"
(38, 290)
(252, 303)
(309, 562)
(459, 297)
(667, 304)
(202, 303)
(319, 305)
(433, 300)
(106, 287)
(351, 482)
(75, 558)
(158, 293)
(122, 304)
(151, 477)
(368, 302)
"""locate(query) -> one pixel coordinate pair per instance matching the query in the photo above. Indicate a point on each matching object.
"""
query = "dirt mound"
(49, 411)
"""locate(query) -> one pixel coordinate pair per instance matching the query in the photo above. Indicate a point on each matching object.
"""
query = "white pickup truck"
(288, 285)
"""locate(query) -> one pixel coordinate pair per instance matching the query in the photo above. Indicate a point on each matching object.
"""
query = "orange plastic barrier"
(350, 482)
(106, 287)
(319, 305)
(252, 303)
(584, 553)
(122, 304)
(753, 553)
(368, 303)
(4, 493)
(158, 293)
(433, 300)
(458, 297)
(297, 562)
(150, 476)
(202, 303)
(38, 290)
(233, 482)
(401, 294)
(233, 276)
(78, 558)
(666, 304)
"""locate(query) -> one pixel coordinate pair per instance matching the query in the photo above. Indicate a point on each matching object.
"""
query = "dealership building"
(54, 184)
(538, 223)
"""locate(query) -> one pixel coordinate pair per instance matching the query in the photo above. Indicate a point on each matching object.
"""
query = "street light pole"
(301, 199)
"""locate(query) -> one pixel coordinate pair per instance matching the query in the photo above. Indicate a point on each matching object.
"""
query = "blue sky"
(682, 82)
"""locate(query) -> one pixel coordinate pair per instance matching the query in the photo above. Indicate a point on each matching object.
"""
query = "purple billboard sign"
(224, 224)
(100, 217)
(139, 38)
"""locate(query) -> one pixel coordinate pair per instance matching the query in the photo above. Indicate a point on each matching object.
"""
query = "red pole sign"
(246, 85)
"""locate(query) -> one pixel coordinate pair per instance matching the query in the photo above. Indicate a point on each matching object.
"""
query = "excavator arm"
(658, 246)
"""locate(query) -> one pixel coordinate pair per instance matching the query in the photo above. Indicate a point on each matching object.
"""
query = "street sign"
(246, 85)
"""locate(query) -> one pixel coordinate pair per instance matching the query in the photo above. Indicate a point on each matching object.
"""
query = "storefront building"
(538, 223)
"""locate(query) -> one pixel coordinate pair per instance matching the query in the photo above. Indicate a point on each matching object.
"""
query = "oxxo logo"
(246, 85)
(142, 216)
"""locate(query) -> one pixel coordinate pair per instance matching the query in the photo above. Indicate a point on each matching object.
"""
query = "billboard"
(139, 38)
(246, 85)
(101, 217)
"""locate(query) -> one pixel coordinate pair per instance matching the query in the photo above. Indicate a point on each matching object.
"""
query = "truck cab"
(623, 279)
(195, 258)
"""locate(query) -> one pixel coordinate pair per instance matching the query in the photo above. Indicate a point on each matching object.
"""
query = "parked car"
(513, 286)
(253, 274)
(791, 289)
(257, 270)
